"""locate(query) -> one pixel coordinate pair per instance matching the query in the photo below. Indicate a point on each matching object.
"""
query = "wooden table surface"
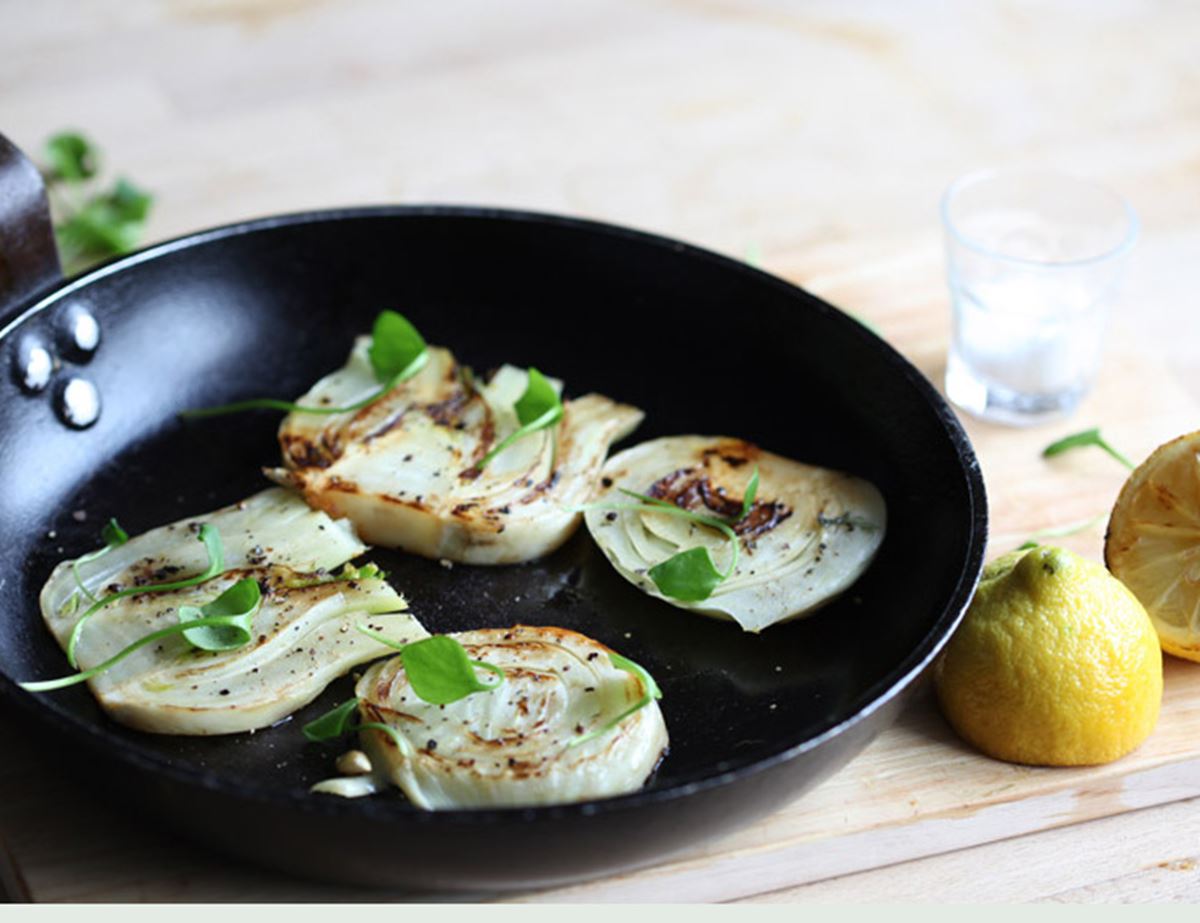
(814, 138)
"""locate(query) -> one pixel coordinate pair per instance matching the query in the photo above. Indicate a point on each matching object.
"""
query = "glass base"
(997, 404)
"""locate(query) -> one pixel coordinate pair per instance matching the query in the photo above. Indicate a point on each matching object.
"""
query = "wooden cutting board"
(916, 791)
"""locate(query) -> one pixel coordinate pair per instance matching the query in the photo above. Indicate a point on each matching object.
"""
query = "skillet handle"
(28, 255)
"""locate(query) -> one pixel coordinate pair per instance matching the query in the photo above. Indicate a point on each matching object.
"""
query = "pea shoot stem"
(653, 505)
(216, 566)
(1086, 438)
(83, 676)
(271, 403)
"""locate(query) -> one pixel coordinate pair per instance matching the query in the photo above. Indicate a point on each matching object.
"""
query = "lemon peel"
(1056, 663)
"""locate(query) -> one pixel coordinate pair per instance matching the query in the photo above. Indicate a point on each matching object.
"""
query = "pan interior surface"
(702, 344)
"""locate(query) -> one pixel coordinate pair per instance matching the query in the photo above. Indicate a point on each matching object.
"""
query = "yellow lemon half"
(1055, 664)
(1153, 542)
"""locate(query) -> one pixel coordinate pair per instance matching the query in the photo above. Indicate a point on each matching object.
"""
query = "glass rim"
(1132, 227)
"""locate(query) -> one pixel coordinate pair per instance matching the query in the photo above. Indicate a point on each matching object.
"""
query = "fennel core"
(689, 575)
(440, 672)
(538, 408)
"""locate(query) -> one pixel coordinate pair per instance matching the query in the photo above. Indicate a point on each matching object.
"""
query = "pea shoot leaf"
(127, 202)
(437, 668)
(90, 224)
(71, 157)
(113, 535)
(1088, 437)
(107, 225)
(335, 723)
(689, 576)
(395, 346)
(749, 496)
(397, 352)
(539, 405)
(440, 671)
(235, 608)
(538, 408)
(340, 721)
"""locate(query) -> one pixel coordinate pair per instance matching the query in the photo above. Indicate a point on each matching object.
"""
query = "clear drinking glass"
(1034, 261)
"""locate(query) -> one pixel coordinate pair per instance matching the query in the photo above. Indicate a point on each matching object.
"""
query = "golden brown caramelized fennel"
(692, 488)
(406, 468)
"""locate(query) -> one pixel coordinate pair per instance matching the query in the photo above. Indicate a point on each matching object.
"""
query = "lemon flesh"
(1153, 542)
(1055, 664)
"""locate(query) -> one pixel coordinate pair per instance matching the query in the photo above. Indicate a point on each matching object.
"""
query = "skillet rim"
(100, 740)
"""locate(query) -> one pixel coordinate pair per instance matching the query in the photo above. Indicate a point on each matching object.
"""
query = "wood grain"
(918, 791)
(1148, 855)
(816, 137)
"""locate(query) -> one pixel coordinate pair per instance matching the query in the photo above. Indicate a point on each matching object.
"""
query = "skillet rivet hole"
(79, 332)
(79, 403)
(33, 365)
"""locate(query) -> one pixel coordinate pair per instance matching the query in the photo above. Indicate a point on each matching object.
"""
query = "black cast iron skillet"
(702, 343)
